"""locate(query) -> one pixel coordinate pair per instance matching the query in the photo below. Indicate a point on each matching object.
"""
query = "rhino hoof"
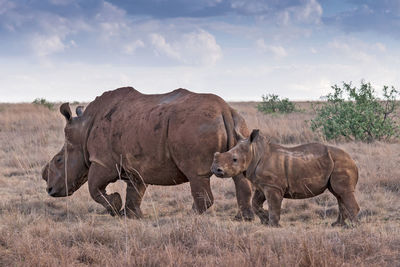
(351, 224)
(275, 225)
(335, 224)
(247, 216)
(115, 204)
(131, 214)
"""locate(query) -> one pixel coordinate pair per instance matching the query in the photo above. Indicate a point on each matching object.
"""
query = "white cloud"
(356, 49)
(277, 50)
(380, 47)
(195, 48)
(131, 47)
(162, 47)
(110, 12)
(47, 45)
(304, 11)
(112, 20)
(311, 12)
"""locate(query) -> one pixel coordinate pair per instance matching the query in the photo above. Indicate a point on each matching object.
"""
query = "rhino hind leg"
(257, 202)
(134, 194)
(243, 196)
(98, 179)
(348, 206)
(340, 221)
(201, 192)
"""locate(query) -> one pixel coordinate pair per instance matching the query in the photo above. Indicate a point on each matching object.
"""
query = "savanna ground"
(37, 230)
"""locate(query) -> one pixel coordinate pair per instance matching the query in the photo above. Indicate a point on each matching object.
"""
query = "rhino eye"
(58, 160)
(234, 159)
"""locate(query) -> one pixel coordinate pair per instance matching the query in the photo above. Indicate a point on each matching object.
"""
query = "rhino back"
(303, 171)
(165, 137)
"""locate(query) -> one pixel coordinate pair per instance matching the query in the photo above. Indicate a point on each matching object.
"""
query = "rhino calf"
(298, 172)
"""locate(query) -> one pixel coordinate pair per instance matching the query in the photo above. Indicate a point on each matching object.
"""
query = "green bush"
(273, 104)
(357, 114)
(43, 102)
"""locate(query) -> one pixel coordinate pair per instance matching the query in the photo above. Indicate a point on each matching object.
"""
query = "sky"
(67, 50)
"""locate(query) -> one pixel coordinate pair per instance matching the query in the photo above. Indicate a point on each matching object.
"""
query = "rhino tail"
(229, 127)
(236, 128)
(240, 127)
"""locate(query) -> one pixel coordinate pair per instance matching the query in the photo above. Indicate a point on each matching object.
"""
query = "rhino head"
(67, 170)
(236, 160)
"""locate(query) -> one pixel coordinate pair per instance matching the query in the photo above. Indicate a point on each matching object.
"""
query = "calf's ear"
(66, 111)
(254, 135)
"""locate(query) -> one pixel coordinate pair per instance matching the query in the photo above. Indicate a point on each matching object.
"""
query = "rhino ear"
(66, 111)
(79, 110)
(254, 134)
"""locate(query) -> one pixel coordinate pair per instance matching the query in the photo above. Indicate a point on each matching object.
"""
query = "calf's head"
(236, 160)
(67, 171)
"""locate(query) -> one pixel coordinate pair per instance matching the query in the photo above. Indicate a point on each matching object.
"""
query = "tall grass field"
(38, 230)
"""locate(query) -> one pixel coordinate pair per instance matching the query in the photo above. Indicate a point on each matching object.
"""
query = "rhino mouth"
(218, 172)
(61, 194)
(71, 190)
(219, 175)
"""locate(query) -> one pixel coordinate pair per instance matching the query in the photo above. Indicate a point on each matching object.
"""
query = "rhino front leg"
(258, 201)
(98, 179)
(243, 196)
(274, 199)
(134, 194)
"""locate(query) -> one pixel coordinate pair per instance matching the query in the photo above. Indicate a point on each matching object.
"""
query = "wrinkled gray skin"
(279, 172)
(164, 139)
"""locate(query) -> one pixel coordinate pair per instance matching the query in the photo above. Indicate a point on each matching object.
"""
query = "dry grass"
(37, 230)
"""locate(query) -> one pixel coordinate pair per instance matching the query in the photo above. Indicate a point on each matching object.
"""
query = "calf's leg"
(274, 199)
(342, 184)
(98, 179)
(257, 202)
(243, 196)
(341, 216)
(350, 206)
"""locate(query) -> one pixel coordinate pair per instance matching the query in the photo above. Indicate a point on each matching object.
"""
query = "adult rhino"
(280, 172)
(160, 139)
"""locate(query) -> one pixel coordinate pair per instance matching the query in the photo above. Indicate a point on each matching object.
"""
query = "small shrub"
(357, 114)
(43, 102)
(273, 104)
